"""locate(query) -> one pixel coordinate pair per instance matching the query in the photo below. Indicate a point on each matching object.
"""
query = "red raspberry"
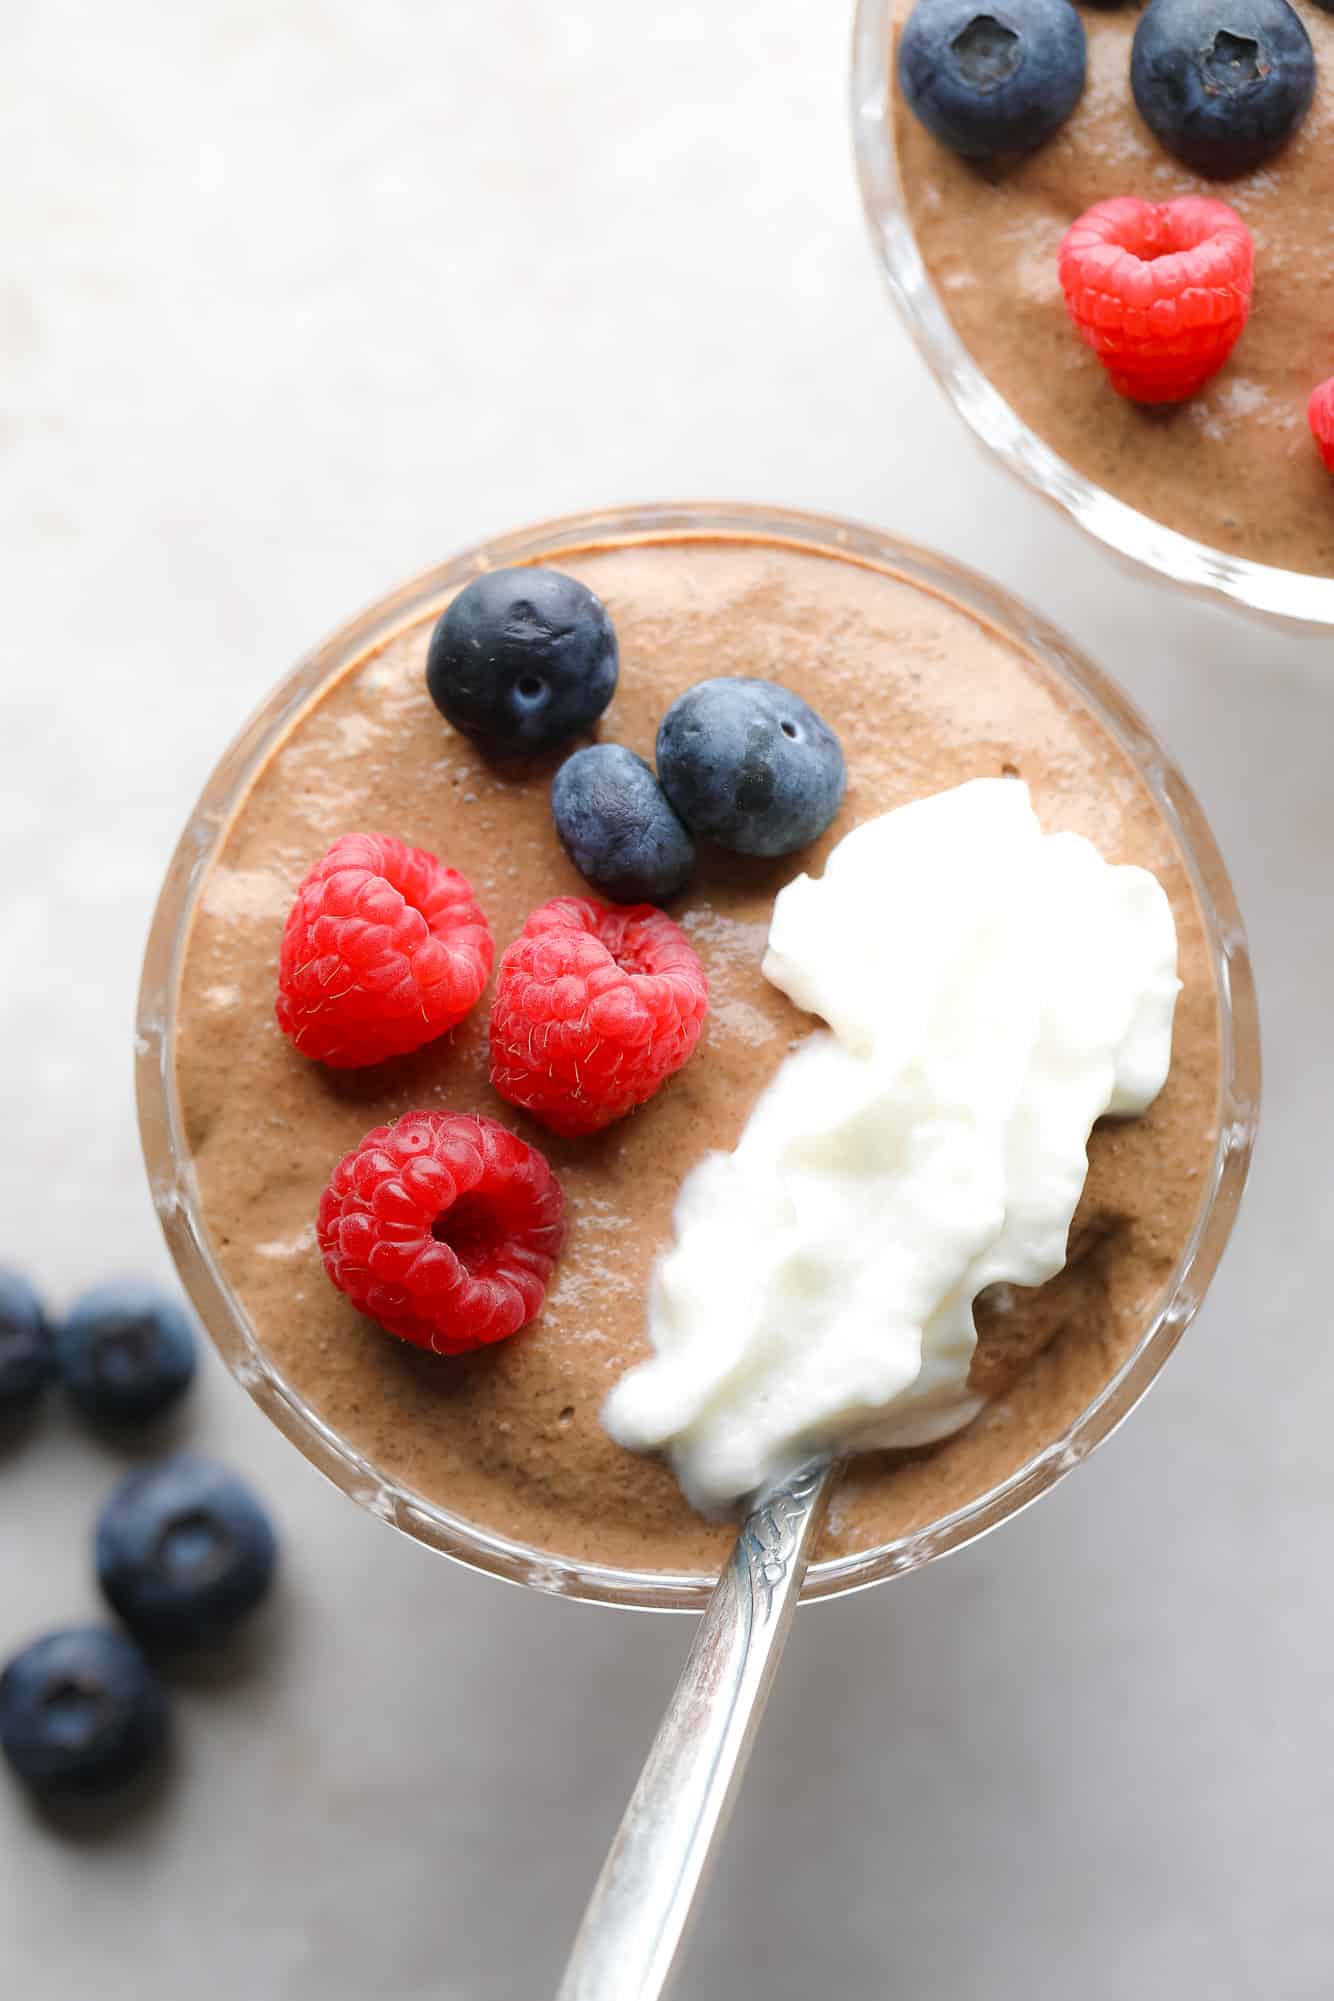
(1320, 416)
(1160, 291)
(595, 1007)
(384, 950)
(444, 1228)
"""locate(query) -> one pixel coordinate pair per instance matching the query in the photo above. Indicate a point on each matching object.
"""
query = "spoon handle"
(635, 1926)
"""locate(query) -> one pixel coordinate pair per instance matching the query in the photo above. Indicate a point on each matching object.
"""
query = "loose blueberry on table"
(27, 1358)
(126, 1352)
(184, 1552)
(81, 1712)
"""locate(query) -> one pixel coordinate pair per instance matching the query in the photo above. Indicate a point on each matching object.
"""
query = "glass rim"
(1135, 537)
(170, 1174)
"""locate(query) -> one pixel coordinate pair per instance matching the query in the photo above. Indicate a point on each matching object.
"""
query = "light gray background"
(296, 297)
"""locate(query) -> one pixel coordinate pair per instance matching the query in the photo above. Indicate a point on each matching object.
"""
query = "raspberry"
(1160, 291)
(444, 1228)
(1320, 416)
(595, 1008)
(384, 950)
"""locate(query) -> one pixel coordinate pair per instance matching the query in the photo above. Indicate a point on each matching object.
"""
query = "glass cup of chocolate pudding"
(499, 1458)
(1223, 493)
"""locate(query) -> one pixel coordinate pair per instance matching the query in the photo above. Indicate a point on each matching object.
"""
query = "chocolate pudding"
(923, 696)
(1235, 466)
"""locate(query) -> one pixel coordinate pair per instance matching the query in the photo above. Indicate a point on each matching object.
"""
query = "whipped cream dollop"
(990, 991)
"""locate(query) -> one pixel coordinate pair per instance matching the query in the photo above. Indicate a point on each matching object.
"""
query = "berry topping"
(384, 950)
(1320, 416)
(595, 1008)
(1160, 292)
(81, 1712)
(1222, 83)
(184, 1552)
(26, 1362)
(618, 826)
(126, 1352)
(993, 82)
(444, 1228)
(522, 659)
(748, 764)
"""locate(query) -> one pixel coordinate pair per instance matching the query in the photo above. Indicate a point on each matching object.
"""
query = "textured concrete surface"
(295, 299)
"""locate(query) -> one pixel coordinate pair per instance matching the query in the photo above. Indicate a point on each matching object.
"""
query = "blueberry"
(618, 826)
(125, 1352)
(1222, 83)
(749, 765)
(993, 82)
(522, 660)
(81, 1712)
(26, 1364)
(184, 1551)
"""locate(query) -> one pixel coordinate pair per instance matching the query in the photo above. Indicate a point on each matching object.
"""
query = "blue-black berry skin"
(81, 1712)
(126, 1352)
(618, 826)
(27, 1360)
(184, 1552)
(992, 80)
(522, 660)
(750, 765)
(1222, 84)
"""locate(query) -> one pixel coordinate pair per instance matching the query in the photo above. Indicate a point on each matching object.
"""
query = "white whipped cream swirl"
(990, 992)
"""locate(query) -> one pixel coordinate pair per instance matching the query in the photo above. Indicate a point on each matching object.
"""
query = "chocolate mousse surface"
(923, 696)
(1235, 466)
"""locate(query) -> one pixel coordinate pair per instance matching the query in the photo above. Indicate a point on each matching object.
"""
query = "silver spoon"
(634, 1930)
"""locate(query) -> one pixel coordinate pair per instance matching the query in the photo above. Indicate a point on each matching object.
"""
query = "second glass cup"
(1014, 300)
